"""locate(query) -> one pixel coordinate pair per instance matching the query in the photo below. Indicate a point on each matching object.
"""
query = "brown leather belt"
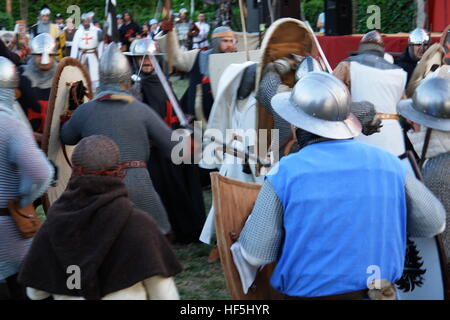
(4, 212)
(133, 164)
(387, 116)
(354, 295)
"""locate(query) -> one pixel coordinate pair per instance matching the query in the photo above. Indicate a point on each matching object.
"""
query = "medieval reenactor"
(418, 43)
(115, 113)
(87, 46)
(59, 21)
(25, 174)
(233, 113)
(187, 213)
(371, 78)
(434, 62)
(431, 138)
(69, 31)
(128, 31)
(44, 25)
(8, 66)
(196, 62)
(182, 28)
(39, 71)
(201, 39)
(120, 251)
(308, 214)
(271, 84)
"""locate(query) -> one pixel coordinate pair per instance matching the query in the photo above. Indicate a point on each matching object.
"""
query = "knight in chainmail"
(432, 140)
(25, 173)
(182, 181)
(370, 77)
(44, 24)
(115, 113)
(271, 84)
(361, 195)
(39, 71)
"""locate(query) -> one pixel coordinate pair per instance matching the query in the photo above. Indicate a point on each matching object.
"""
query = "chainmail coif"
(96, 153)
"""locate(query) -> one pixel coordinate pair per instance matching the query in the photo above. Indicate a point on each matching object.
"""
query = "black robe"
(195, 78)
(94, 226)
(178, 185)
(406, 63)
(127, 31)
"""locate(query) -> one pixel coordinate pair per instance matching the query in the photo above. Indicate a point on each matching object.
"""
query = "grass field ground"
(200, 280)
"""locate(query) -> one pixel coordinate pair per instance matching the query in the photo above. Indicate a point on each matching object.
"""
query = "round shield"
(425, 276)
(284, 37)
(427, 280)
(431, 60)
(69, 72)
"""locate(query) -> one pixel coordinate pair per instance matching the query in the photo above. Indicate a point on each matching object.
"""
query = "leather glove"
(367, 115)
(284, 65)
(167, 26)
(65, 117)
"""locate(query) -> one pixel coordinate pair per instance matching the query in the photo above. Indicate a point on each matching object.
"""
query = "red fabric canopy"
(438, 14)
(337, 48)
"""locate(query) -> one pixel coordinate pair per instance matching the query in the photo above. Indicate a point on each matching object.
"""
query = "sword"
(168, 89)
(321, 53)
(231, 150)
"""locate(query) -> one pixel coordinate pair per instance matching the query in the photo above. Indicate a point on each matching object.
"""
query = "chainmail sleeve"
(263, 232)
(70, 132)
(436, 173)
(270, 85)
(34, 169)
(426, 215)
(366, 114)
(158, 131)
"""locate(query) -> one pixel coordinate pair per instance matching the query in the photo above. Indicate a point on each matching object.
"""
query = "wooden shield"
(233, 203)
(427, 277)
(218, 62)
(284, 37)
(431, 59)
(69, 70)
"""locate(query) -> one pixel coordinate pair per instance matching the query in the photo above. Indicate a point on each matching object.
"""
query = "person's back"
(130, 124)
(94, 226)
(344, 211)
(125, 123)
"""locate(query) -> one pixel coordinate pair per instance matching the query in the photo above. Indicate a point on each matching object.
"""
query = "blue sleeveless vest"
(344, 218)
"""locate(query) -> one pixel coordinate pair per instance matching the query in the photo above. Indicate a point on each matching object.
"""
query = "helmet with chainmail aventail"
(96, 155)
(114, 66)
(9, 77)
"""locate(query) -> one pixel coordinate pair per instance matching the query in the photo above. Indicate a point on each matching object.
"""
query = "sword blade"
(322, 54)
(168, 89)
(232, 150)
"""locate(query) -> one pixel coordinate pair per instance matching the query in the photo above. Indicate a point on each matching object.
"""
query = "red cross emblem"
(170, 118)
(86, 37)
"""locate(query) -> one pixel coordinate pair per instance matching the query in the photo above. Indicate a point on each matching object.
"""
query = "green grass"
(200, 280)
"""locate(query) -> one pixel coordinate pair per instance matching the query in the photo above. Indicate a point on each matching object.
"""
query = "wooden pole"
(244, 28)
(8, 7)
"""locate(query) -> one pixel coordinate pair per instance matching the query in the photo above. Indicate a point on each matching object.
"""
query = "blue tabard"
(344, 218)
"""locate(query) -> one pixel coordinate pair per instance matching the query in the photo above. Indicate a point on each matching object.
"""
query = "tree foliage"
(396, 16)
(142, 10)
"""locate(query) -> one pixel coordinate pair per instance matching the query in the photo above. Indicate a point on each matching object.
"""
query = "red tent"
(438, 14)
